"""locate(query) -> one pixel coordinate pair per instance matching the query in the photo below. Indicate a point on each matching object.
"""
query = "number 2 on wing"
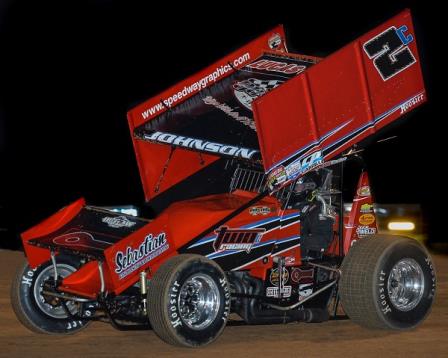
(390, 52)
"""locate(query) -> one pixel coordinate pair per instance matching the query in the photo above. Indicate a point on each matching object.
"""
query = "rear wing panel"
(341, 100)
(152, 157)
(288, 125)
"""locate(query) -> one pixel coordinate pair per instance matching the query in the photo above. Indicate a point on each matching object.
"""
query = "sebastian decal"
(131, 259)
(236, 239)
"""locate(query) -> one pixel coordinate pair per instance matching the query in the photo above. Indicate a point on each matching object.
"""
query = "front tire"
(387, 282)
(189, 301)
(41, 314)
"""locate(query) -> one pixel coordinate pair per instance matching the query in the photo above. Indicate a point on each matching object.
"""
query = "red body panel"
(176, 224)
(362, 218)
(37, 255)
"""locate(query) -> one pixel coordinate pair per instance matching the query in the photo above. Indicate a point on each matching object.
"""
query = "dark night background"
(70, 70)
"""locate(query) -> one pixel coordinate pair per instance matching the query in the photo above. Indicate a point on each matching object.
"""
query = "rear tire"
(188, 301)
(35, 311)
(387, 282)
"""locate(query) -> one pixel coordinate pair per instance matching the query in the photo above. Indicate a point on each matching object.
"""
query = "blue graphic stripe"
(374, 122)
(356, 131)
(304, 149)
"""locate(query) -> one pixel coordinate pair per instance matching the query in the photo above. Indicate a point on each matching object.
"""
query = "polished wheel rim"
(406, 284)
(199, 301)
(51, 306)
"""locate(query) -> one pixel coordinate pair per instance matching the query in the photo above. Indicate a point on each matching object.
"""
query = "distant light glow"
(401, 226)
(126, 211)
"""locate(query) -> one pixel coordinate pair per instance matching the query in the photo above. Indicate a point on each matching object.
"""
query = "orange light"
(401, 226)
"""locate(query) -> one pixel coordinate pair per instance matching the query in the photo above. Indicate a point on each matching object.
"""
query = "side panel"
(274, 232)
(341, 100)
(37, 255)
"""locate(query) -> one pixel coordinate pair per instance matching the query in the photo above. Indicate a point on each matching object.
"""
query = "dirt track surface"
(331, 339)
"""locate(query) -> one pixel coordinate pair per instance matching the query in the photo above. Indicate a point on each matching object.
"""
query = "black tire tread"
(19, 311)
(17, 305)
(357, 278)
(160, 322)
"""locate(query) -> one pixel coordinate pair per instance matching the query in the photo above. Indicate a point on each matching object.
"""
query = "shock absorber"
(144, 290)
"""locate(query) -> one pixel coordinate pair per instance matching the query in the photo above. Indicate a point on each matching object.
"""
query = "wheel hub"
(406, 284)
(199, 301)
(48, 304)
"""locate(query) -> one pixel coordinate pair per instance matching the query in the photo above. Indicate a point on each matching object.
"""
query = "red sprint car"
(243, 164)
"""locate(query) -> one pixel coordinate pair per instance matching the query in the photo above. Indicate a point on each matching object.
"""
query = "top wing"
(343, 99)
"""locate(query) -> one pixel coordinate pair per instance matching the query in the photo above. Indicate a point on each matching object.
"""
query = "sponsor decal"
(433, 275)
(230, 111)
(303, 165)
(389, 51)
(195, 86)
(305, 290)
(365, 230)
(27, 279)
(248, 90)
(118, 221)
(273, 278)
(364, 191)
(290, 260)
(277, 177)
(411, 103)
(131, 259)
(298, 167)
(367, 208)
(302, 275)
(259, 210)
(224, 284)
(174, 298)
(236, 239)
(275, 41)
(384, 305)
(78, 238)
(367, 219)
(199, 144)
(275, 66)
(273, 291)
